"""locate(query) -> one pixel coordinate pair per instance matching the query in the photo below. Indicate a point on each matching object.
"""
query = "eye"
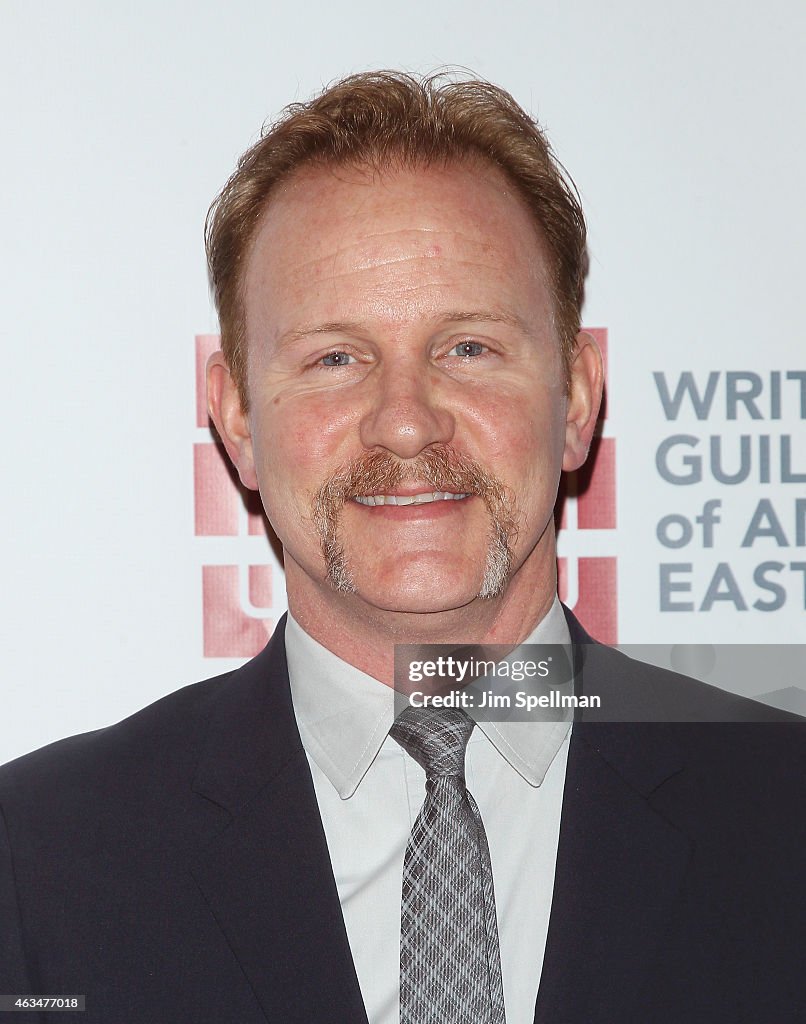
(468, 348)
(337, 359)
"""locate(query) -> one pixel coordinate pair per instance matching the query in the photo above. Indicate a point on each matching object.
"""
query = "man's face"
(401, 346)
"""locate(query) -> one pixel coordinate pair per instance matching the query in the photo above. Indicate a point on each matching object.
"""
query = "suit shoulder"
(634, 690)
(741, 749)
(638, 691)
(80, 766)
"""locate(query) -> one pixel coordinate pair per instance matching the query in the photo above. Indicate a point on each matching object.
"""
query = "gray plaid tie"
(450, 967)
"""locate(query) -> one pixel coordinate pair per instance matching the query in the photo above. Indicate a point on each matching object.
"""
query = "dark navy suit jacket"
(173, 868)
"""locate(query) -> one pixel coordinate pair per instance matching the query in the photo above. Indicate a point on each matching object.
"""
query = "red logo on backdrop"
(237, 595)
(587, 503)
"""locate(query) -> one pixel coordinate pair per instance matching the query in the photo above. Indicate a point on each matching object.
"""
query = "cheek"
(302, 441)
(523, 436)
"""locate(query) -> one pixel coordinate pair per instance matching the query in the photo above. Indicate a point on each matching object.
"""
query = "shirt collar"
(344, 715)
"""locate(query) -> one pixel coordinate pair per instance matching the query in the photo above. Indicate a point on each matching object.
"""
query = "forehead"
(394, 242)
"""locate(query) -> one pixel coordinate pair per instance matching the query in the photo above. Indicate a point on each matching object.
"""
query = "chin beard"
(445, 470)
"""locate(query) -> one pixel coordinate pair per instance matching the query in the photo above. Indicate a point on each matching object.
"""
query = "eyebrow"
(485, 316)
(453, 316)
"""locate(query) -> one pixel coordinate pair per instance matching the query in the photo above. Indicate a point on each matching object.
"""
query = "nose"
(406, 414)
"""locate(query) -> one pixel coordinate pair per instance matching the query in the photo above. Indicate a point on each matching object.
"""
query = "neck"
(365, 636)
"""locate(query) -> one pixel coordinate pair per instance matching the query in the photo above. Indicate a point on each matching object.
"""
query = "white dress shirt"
(370, 792)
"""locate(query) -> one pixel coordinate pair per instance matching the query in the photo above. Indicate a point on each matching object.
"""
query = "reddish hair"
(384, 119)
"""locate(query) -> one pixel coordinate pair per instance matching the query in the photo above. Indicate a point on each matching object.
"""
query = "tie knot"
(435, 737)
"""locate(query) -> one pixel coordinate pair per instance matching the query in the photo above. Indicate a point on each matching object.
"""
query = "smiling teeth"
(408, 499)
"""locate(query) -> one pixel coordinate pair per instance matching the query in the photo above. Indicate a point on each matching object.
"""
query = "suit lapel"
(267, 876)
(620, 863)
(619, 869)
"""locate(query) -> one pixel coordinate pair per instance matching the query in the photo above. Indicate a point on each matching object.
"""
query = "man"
(398, 268)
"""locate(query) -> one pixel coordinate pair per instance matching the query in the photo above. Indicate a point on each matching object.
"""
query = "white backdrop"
(683, 127)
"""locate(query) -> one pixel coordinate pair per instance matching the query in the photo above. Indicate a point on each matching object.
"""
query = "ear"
(584, 398)
(231, 422)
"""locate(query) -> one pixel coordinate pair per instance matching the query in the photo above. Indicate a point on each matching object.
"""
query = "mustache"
(440, 466)
(444, 469)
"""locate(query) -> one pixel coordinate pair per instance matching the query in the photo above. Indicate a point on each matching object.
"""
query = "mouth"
(424, 498)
